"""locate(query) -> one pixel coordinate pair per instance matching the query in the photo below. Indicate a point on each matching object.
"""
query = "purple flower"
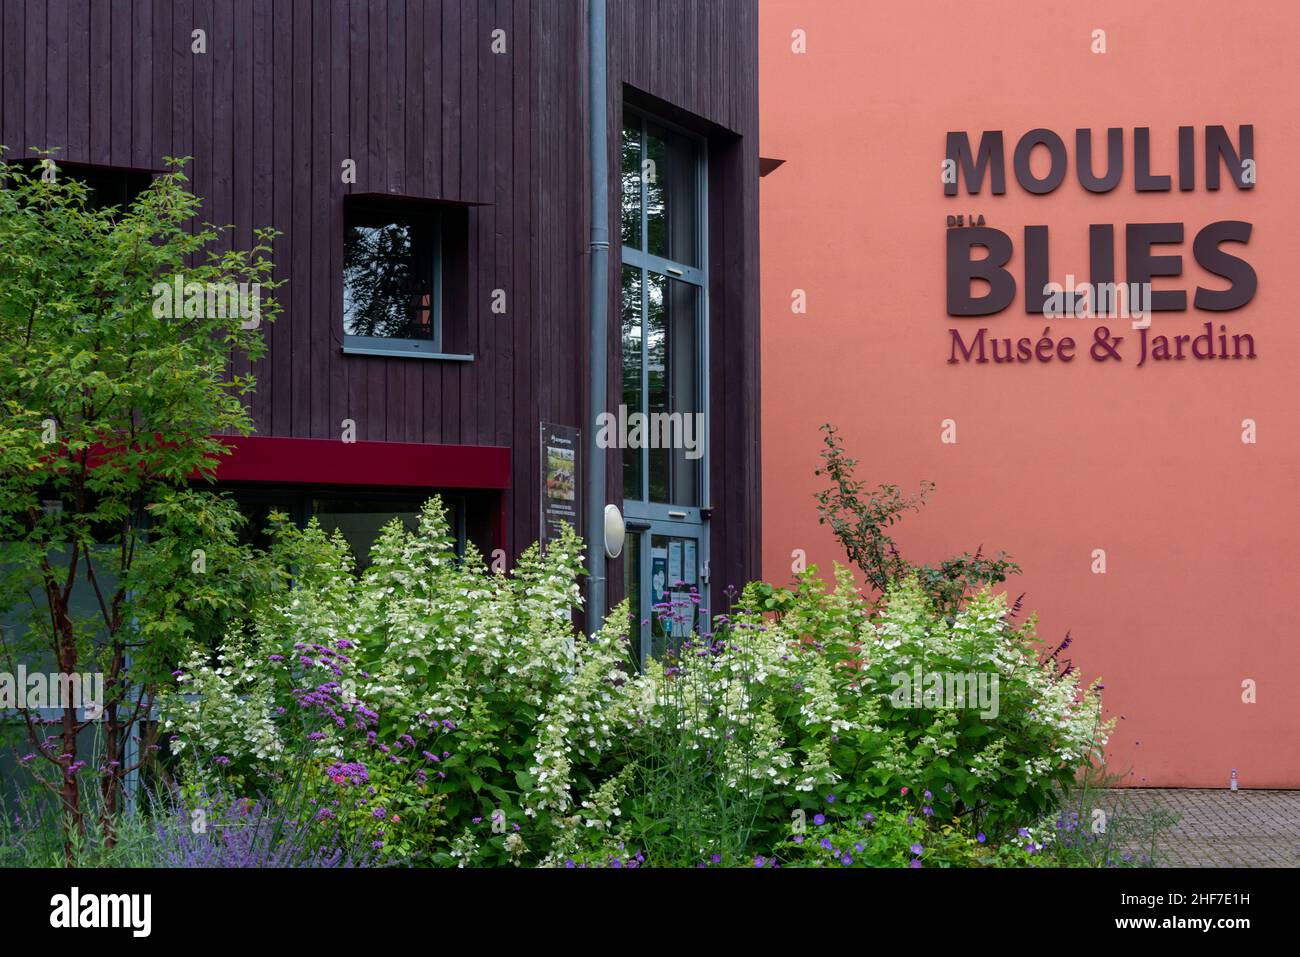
(916, 862)
(830, 799)
(716, 858)
(917, 849)
(868, 817)
(476, 820)
(819, 819)
(826, 844)
(759, 861)
(351, 772)
(221, 759)
(798, 838)
(980, 837)
(847, 859)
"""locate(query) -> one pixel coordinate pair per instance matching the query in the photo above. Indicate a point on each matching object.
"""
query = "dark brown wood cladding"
(411, 90)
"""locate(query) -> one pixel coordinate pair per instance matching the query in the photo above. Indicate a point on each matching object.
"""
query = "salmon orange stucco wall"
(1201, 531)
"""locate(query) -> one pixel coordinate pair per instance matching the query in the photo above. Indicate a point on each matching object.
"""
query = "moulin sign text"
(1099, 297)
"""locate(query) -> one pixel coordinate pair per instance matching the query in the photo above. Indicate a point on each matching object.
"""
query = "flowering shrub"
(883, 685)
(440, 710)
(431, 710)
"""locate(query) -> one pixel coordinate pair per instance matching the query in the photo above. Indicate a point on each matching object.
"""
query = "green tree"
(111, 400)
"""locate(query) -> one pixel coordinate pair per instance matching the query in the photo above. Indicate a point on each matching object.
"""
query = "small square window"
(392, 280)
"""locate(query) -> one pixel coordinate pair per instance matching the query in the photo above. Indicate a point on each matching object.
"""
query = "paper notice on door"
(658, 576)
(691, 571)
(674, 563)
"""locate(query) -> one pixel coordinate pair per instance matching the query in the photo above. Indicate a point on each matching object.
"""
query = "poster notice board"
(561, 450)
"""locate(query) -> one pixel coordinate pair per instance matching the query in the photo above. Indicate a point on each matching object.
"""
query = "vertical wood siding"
(410, 90)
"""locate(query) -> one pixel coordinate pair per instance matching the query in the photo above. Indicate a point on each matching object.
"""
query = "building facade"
(1145, 486)
(428, 167)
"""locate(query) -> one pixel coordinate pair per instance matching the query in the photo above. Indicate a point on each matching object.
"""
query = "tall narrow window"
(664, 397)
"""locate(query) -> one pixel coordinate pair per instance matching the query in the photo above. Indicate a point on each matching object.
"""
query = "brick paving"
(1222, 828)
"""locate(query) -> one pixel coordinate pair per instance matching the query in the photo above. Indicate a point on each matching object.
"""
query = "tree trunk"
(70, 791)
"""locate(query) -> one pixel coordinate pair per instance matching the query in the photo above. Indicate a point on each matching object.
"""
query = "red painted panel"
(334, 462)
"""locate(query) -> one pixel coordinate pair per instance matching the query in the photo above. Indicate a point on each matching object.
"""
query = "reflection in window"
(632, 395)
(673, 378)
(361, 521)
(672, 196)
(632, 581)
(390, 273)
(664, 166)
(360, 514)
(631, 185)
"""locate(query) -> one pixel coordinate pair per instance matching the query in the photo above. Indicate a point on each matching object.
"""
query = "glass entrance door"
(666, 580)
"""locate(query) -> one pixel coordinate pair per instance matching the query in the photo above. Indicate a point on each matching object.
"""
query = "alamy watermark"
(946, 689)
(53, 689)
(1103, 300)
(656, 430)
(133, 912)
(211, 300)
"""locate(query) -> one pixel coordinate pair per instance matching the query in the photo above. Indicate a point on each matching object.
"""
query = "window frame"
(393, 345)
(698, 276)
(647, 520)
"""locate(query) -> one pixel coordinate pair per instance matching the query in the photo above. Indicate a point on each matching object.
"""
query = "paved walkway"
(1222, 828)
